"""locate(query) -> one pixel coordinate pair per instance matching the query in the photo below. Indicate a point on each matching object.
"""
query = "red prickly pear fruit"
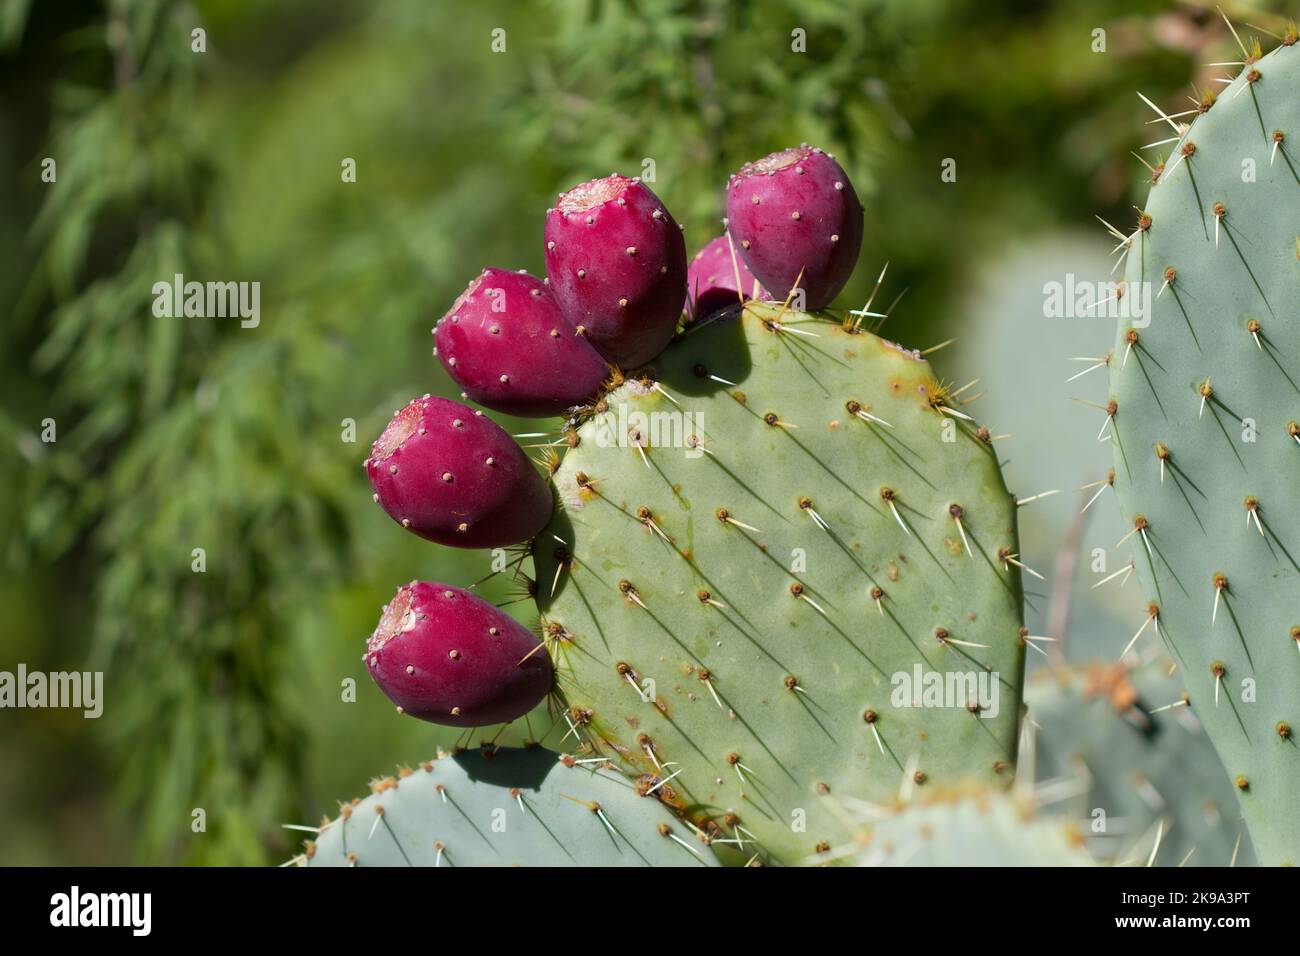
(711, 280)
(450, 474)
(796, 211)
(447, 656)
(616, 261)
(508, 345)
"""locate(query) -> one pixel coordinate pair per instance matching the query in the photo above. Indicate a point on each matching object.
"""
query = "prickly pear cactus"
(759, 555)
(968, 827)
(744, 678)
(1124, 741)
(506, 807)
(1207, 448)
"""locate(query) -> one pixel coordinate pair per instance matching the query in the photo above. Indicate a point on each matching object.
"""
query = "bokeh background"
(224, 689)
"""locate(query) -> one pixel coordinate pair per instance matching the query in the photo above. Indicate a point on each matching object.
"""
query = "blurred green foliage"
(224, 688)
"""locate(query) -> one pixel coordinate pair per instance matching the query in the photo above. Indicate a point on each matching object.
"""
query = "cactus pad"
(753, 549)
(1136, 751)
(968, 828)
(506, 807)
(1207, 448)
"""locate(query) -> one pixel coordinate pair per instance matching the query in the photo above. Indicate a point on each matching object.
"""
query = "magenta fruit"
(795, 211)
(616, 261)
(711, 280)
(450, 474)
(444, 655)
(508, 345)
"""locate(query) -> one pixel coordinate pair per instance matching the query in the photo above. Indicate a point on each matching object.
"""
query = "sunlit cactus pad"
(751, 546)
(1207, 448)
(506, 807)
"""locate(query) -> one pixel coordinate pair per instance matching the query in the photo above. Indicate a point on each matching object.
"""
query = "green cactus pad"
(754, 565)
(968, 828)
(506, 807)
(1120, 740)
(1206, 448)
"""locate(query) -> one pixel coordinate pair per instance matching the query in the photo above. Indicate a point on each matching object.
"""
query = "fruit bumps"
(797, 222)
(616, 262)
(508, 345)
(452, 475)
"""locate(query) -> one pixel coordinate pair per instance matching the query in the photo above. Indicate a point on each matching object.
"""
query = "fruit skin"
(616, 262)
(807, 218)
(508, 345)
(507, 806)
(452, 475)
(711, 280)
(1205, 386)
(447, 656)
(793, 643)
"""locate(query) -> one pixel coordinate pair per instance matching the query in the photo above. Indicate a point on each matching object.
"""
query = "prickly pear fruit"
(447, 656)
(617, 264)
(796, 212)
(508, 345)
(452, 475)
(711, 280)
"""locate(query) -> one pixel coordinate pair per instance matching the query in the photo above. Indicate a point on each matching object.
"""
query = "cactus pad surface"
(506, 807)
(1207, 449)
(756, 553)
